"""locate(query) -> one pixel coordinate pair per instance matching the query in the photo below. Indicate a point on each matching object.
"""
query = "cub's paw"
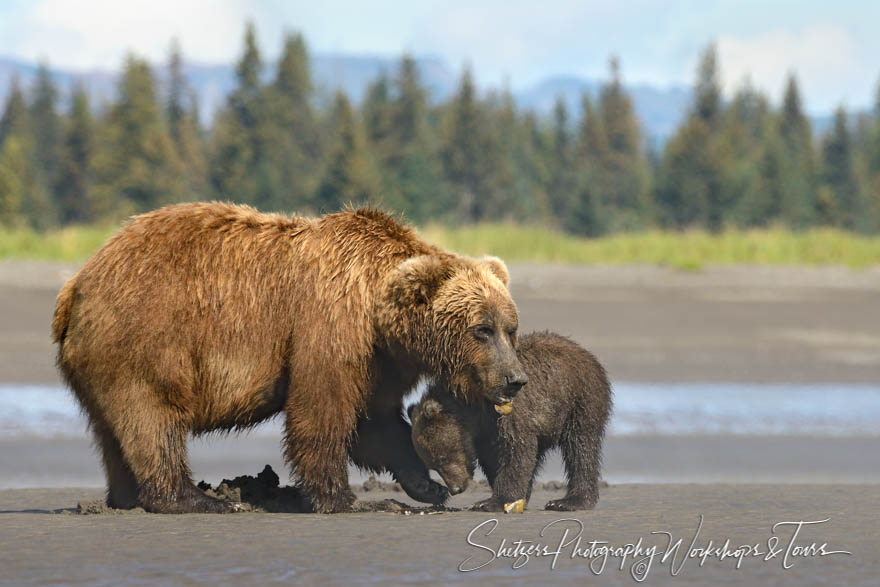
(568, 504)
(488, 505)
(424, 490)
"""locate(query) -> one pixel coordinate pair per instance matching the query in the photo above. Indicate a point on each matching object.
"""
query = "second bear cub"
(566, 404)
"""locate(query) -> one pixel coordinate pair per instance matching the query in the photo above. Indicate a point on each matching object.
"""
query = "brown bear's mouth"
(504, 406)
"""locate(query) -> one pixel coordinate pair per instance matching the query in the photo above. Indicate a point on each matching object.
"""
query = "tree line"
(736, 163)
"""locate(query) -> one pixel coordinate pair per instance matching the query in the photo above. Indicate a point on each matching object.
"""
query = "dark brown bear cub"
(565, 404)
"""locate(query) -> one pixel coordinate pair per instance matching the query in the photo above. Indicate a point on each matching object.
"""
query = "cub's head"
(443, 443)
(455, 316)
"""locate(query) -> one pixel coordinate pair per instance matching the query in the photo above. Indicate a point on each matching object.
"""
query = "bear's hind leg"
(151, 438)
(122, 490)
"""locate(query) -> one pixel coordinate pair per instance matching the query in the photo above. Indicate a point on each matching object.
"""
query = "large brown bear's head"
(443, 442)
(455, 316)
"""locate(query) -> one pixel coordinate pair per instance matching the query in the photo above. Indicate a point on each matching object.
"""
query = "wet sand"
(71, 462)
(39, 546)
(739, 324)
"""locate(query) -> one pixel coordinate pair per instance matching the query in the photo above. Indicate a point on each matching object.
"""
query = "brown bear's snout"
(514, 382)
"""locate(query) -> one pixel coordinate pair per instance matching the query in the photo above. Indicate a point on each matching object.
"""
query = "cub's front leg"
(516, 463)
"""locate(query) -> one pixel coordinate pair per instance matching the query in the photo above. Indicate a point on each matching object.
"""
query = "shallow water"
(639, 409)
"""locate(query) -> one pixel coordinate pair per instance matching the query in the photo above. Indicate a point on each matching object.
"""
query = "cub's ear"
(410, 411)
(497, 267)
(430, 408)
(419, 278)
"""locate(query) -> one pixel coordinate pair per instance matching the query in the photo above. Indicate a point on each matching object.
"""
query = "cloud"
(825, 59)
(97, 33)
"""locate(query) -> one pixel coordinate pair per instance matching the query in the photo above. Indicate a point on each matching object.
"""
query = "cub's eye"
(483, 333)
(442, 460)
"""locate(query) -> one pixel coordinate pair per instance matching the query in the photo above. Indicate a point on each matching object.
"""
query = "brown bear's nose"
(515, 382)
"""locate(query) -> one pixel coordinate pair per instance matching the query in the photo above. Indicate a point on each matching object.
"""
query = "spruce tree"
(138, 163)
(75, 173)
(707, 92)
(14, 120)
(838, 174)
(622, 170)
(175, 108)
(292, 132)
(690, 185)
(46, 126)
(181, 114)
(745, 126)
(377, 116)
(798, 207)
(350, 177)
(412, 157)
(240, 170)
(14, 170)
(467, 152)
(14, 156)
(564, 175)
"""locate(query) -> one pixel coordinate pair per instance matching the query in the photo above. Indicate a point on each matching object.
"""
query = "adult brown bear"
(201, 317)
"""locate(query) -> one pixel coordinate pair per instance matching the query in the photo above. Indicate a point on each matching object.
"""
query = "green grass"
(75, 243)
(689, 250)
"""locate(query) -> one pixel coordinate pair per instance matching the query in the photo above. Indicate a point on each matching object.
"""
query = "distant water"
(639, 408)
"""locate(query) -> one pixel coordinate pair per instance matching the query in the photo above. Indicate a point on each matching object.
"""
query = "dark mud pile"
(264, 493)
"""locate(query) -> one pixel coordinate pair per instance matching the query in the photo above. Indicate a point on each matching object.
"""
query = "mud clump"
(373, 484)
(262, 493)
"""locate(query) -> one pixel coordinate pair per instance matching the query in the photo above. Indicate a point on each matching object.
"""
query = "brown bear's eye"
(483, 333)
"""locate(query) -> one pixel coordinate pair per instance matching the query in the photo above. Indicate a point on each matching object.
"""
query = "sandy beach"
(746, 325)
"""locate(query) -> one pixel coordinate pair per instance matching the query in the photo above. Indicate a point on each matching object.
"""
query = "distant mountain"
(660, 110)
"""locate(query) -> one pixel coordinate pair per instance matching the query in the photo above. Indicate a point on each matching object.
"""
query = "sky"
(832, 47)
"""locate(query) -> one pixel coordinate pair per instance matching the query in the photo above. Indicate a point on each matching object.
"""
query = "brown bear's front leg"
(384, 443)
(320, 420)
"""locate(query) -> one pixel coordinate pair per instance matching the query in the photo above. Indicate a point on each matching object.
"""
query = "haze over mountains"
(659, 109)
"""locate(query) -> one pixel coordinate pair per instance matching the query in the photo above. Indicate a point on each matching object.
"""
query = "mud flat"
(734, 324)
(39, 546)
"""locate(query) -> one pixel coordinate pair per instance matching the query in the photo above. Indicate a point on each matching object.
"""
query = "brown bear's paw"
(488, 505)
(569, 504)
(336, 503)
(424, 490)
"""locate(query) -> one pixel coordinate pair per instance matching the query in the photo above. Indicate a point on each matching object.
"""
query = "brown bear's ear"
(497, 267)
(419, 278)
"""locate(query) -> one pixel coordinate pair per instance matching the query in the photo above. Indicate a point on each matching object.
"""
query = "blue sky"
(834, 47)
